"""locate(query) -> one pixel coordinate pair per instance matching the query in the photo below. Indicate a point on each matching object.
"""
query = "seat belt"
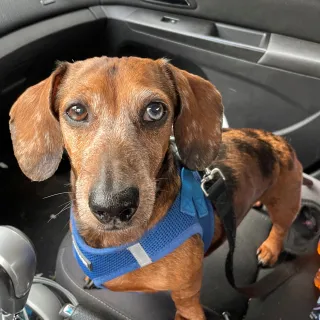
(214, 187)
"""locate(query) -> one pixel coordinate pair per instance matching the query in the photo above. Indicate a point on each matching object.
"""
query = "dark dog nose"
(108, 205)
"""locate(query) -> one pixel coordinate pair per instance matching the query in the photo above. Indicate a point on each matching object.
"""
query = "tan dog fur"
(114, 144)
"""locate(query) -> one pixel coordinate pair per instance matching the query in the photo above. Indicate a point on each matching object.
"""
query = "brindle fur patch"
(261, 151)
(251, 133)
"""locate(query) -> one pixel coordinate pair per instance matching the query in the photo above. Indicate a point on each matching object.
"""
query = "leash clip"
(209, 176)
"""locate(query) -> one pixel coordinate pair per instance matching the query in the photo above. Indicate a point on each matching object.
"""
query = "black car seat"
(293, 300)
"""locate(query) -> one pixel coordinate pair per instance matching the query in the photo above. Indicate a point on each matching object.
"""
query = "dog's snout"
(115, 204)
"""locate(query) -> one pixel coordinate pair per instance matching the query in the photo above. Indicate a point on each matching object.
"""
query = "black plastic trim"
(183, 4)
(293, 54)
(220, 38)
(294, 18)
(18, 14)
(19, 47)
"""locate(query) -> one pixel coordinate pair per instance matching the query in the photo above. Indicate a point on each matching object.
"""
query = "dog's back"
(261, 166)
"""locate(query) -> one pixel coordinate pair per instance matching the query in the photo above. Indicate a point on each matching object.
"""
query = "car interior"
(264, 58)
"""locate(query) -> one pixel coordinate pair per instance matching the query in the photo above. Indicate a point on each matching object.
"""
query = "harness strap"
(217, 192)
(191, 213)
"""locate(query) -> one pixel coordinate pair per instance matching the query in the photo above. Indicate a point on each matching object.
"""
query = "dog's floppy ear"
(35, 131)
(198, 124)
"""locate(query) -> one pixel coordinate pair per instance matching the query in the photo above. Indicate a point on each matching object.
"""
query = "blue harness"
(190, 214)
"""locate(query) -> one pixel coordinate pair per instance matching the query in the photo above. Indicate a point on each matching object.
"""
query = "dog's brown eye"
(154, 112)
(77, 112)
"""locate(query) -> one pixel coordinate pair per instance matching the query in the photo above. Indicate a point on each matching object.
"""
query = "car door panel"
(203, 34)
(258, 86)
(293, 18)
(292, 54)
(18, 14)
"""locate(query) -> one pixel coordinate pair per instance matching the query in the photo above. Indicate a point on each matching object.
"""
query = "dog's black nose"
(107, 205)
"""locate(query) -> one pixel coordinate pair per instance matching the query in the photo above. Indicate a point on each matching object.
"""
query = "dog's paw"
(88, 284)
(268, 254)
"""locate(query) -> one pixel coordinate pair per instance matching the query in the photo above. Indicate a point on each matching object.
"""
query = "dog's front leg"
(187, 299)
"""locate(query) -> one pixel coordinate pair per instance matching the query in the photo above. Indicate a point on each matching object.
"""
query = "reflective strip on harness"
(140, 255)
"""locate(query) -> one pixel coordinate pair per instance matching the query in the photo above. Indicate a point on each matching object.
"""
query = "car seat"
(292, 300)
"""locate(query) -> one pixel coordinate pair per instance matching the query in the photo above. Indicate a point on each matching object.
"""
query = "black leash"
(215, 188)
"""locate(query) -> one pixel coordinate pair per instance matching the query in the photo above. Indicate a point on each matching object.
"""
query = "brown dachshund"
(115, 117)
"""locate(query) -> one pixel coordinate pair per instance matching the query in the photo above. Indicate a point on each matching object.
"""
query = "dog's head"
(114, 117)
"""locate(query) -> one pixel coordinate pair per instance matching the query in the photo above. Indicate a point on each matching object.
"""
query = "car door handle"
(221, 38)
(187, 4)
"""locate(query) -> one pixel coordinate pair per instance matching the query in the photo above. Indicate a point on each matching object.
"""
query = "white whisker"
(56, 194)
(55, 216)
